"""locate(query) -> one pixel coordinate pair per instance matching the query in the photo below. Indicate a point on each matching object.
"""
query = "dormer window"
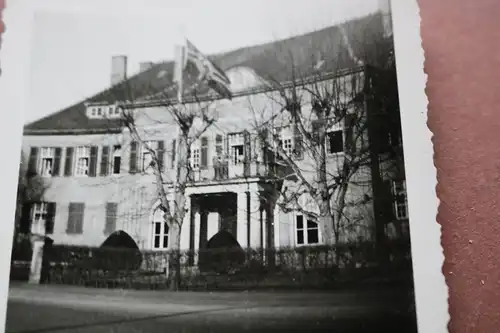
(103, 111)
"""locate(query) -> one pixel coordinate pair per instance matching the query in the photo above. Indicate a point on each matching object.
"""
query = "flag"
(191, 62)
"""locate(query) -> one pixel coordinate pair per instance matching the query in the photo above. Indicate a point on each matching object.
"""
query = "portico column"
(186, 226)
(270, 234)
(37, 243)
(255, 221)
(203, 227)
(195, 228)
(189, 230)
(241, 220)
(261, 222)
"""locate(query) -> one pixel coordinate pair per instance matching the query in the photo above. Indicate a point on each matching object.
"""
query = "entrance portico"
(240, 210)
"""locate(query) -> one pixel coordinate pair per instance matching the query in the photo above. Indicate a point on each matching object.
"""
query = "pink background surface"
(462, 50)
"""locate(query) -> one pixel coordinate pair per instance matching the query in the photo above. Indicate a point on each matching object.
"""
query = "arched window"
(160, 230)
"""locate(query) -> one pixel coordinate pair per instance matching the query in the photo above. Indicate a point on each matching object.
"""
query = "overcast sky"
(71, 54)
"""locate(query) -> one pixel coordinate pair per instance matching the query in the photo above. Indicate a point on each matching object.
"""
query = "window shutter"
(172, 160)
(298, 144)
(75, 218)
(25, 223)
(160, 155)
(263, 144)
(94, 150)
(204, 153)
(247, 145)
(349, 123)
(227, 147)
(299, 226)
(316, 125)
(133, 157)
(247, 153)
(105, 161)
(68, 164)
(51, 216)
(79, 220)
(111, 214)
(388, 200)
(70, 228)
(57, 162)
(33, 161)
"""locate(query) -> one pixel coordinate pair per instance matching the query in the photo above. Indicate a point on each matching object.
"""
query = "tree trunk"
(322, 197)
(178, 213)
(337, 217)
(325, 221)
(174, 260)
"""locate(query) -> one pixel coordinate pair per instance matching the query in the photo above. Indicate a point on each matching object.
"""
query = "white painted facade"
(135, 194)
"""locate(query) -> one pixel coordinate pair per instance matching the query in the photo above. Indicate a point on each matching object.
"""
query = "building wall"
(135, 193)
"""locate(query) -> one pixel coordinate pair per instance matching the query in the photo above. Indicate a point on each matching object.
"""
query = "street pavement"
(69, 309)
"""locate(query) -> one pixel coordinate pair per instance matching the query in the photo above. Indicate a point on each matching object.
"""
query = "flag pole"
(180, 61)
(181, 57)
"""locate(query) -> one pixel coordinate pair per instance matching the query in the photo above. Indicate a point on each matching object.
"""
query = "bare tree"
(333, 117)
(192, 119)
(30, 189)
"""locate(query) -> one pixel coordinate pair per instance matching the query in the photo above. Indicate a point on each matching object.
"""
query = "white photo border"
(431, 291)
(430, 286)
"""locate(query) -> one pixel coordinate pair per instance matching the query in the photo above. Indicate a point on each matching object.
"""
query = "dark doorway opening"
(118, 252)
(222, 254)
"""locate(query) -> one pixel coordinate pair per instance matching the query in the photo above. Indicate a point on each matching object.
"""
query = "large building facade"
(99, 179)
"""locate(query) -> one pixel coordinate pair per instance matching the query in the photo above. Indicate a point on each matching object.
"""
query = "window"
(47, 156)
(199, 154)
(286, 144)
(160, 230)
(195, 157)
(400, 199)
(307, 233)
(237, 154)
(42, 218)
(147, 158)
(102, 111)
(219, 146)
(334, 136)
(290, 140)
(117, 159)
(82, 161)
(335, 141)
(237, 147)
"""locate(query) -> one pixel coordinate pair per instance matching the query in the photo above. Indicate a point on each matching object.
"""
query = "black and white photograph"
(213, 167)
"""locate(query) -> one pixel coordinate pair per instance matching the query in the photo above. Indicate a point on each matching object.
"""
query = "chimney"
(145, 65)
(385, 10)
(118, 69)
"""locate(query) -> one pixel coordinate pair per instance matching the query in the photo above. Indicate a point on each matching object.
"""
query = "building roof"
(279, 61)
